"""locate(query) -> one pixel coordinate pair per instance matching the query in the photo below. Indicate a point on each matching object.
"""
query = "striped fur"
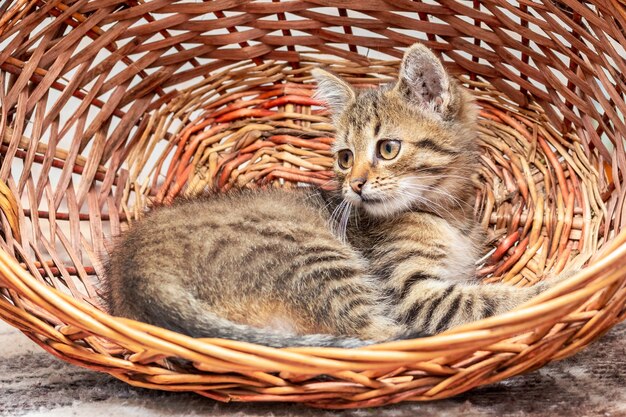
(257, 266)
(414, 219)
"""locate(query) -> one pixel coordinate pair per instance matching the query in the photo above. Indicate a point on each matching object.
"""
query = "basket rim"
(549, 306)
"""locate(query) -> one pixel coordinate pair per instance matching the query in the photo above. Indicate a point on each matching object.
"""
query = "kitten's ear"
(423, 81)
(332, 90)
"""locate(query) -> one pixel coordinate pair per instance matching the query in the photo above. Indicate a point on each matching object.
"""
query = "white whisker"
(426, 201)
(344, 220)
(333, 217)
(437, 190)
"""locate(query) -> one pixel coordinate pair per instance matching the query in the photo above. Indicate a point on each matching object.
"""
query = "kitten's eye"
(345, 159)
(388, 149)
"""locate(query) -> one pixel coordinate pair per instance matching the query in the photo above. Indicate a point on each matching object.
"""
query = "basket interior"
(540, 197)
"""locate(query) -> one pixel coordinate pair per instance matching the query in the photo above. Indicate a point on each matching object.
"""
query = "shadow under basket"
(109, 106)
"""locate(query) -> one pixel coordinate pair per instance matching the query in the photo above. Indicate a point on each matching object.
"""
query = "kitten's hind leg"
(343, 300)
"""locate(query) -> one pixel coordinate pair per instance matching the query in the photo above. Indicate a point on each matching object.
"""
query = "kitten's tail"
(226, 329)
(190, 319)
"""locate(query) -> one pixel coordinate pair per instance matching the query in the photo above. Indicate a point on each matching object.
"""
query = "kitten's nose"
(357, 185)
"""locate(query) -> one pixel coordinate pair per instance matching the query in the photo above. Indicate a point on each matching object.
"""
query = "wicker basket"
(109, 105)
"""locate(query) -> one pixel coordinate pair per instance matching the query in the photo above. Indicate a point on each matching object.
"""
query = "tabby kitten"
(296, 268)
(406, 156)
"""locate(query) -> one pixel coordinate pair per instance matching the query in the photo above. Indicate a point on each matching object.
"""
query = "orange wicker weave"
(107, 105)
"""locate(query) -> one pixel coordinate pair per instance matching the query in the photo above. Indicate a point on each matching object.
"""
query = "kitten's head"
(411, 145)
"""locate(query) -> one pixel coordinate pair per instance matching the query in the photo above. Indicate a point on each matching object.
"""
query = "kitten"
(277, 268)
(406, 156)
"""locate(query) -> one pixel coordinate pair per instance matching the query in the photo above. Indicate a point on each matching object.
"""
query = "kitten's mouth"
(371, 200)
